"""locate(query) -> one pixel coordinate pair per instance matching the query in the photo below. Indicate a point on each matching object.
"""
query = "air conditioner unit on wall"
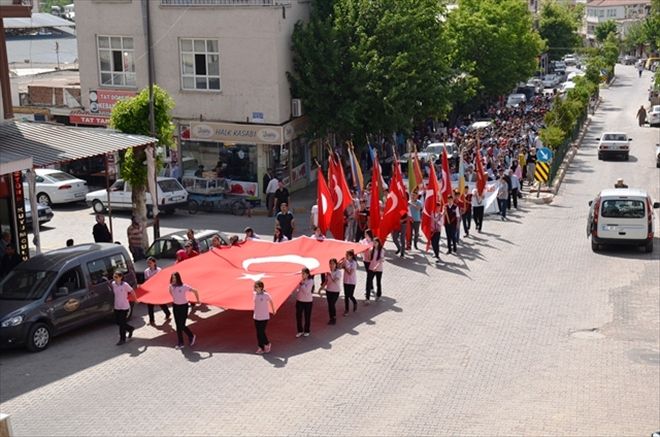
(296, 108)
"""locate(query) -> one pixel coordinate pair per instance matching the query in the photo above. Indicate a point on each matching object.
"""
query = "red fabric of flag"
(341, 197)
(430, 205)
(446, 179)
(396, 206)
(323, 202)
(481, 176)
(419, 176)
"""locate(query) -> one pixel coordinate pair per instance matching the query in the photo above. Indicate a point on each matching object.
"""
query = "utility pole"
(57, 53)
(152, 117)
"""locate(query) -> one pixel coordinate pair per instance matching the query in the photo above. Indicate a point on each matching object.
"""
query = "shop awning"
(49, 144)
(11, 161)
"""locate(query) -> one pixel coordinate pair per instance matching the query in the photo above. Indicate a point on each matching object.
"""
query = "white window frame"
(118, 79)
(187, 76)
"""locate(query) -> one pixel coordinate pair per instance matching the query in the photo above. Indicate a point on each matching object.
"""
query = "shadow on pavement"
(630, 252)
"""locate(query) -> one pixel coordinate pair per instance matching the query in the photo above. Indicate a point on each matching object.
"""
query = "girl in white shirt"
(304, 301)
(179, 291)
(332, 287)
(375, 269)
(262, 303)
(350, 279)
(151, 270)
(121, 291)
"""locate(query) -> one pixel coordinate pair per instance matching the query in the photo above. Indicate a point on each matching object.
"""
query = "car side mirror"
(591, 202)
(629, 139)
(62, 291)
(656, 205)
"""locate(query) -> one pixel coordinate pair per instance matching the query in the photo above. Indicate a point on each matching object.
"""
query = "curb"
(261, 212)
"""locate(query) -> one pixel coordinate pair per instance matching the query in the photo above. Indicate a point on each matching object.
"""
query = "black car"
(58, 291)
(45, 213)
(165, 248)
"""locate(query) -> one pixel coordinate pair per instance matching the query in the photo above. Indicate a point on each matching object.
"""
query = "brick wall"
(50, 96)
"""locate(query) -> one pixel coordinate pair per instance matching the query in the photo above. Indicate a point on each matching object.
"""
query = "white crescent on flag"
(324, 204)
(395, 202)
(427, 200)
(310, 263)
(340, 197)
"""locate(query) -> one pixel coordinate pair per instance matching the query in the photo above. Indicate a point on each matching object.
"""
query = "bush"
(552, 137)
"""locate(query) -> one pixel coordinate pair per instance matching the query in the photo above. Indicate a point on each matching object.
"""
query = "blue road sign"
(543, 154)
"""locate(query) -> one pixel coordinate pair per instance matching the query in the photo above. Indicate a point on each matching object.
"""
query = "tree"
(558, 27)
(494, 41)
(604, 29)
(132, 116)
(371, 66)
(635, 38)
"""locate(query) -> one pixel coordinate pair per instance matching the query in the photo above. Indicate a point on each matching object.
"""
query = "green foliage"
(371, 66)
(552, 136)
(611, 49)
(494, 41)
(46, 5)
(603, 30)
(132, 116)
(558, 27)
(635, 37)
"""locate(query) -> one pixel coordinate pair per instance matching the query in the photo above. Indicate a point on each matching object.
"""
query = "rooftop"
(606, 3)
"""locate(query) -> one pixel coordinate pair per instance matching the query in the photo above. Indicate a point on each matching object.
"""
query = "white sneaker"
(194, 339)
(298, 335)
(178, 347)
(306, 334)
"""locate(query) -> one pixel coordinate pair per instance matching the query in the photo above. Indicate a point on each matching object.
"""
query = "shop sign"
(88, 119)
(22, 247)
(235, 133)
(102, 101)
(295, 128)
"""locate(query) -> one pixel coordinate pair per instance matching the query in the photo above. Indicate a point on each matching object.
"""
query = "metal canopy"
(49, 144)
(38, 20)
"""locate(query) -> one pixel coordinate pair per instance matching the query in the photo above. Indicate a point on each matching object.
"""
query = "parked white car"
(550, 80)
(515, 99)
(614, 144)
(654, 116)
(171, 195)
(570, 60)
(55, 186)
(622, 216)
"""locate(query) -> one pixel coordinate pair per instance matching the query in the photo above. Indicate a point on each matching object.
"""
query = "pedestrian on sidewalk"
(640, 68)
(285, 221)
(271, 188)
(641, 116)
(502, 196)
(399, 236)
(121, 290)
(100, 230)
(332, 287)
(152, 269)
(415, 209)
(262, 303)
(135, 233)
(349, 264)
(281, 196)
(375, 269)
(531, 166)
(451, 219)
(180, 306)
(304, 301)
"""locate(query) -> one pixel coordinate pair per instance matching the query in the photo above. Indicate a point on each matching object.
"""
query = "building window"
(611, 12)
(116, 61)
(200, 64)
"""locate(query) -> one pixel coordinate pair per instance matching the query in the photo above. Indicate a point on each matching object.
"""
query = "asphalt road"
(525, 332)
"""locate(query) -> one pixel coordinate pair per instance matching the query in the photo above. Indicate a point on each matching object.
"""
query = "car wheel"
(43, 199)
(193, 206)
(648, 248)
(600, 157)
(38, 337)
(626, 157)
(98, 207)
(595, 246)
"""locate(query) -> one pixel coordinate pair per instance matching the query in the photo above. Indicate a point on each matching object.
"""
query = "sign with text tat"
(102, 101)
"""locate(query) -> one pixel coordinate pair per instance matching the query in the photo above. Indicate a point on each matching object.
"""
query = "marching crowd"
(506, 149)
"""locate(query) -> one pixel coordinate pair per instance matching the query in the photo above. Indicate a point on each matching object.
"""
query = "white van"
(622, 216)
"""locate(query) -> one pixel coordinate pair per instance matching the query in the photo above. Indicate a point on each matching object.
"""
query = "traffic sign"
(543, 154)
(542, 172)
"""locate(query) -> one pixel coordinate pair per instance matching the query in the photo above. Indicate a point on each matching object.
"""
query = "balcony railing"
(225, 2)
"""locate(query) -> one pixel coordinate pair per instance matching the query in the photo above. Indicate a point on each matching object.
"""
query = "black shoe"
(120, 342)
(152, 322)
(332, 322)
(130, 333)
(397, 252)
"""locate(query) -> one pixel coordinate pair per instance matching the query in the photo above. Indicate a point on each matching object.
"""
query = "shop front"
(242, 153)
(12, 203)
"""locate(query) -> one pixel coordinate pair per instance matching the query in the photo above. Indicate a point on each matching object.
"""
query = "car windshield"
(25, 284)
(164, 248)
(169, 185)
(60, 176)
(614, 137)
(623, 208)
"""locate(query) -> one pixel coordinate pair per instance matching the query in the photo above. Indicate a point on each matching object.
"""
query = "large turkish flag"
(225, 277)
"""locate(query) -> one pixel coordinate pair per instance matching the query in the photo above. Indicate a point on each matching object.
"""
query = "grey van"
(58, 291)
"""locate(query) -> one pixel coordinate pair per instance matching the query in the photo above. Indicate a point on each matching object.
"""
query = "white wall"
(254, 45)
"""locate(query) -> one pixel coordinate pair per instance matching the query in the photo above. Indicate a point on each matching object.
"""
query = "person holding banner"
(332, 286)
(451, 218)
(349, 264)
(466, 210)
(304, 300)
(375, 269)
(262, 304)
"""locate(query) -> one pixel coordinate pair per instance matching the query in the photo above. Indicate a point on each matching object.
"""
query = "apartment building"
(623, 12)
(224, 62)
